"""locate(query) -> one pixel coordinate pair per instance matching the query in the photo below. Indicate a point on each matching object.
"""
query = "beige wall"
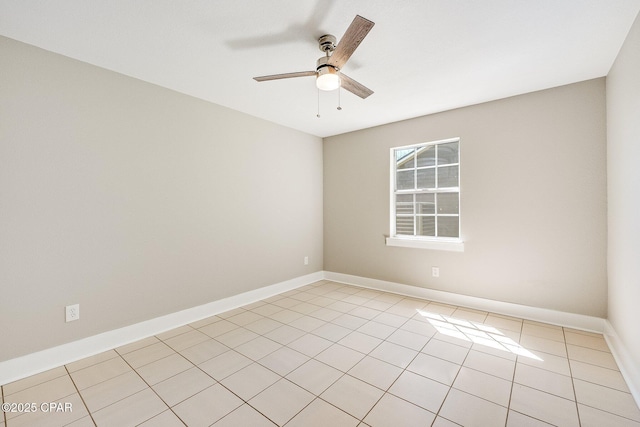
(112, 190)
(135, 201)
(533, 201)
(623, 174)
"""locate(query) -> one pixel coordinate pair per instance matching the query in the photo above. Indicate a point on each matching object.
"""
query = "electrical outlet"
(435, 271)
(306, 260)
(72, 312)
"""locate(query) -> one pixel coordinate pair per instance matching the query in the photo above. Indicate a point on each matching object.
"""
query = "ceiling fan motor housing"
(323, 62)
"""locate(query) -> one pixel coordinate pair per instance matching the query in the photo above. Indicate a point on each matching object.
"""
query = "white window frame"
(422, 242)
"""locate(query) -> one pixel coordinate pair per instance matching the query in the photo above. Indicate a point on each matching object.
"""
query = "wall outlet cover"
(72, 312)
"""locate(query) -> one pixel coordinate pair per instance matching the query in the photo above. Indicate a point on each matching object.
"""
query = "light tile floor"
(334, 355)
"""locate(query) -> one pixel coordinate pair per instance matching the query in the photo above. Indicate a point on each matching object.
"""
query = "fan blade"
(354, 87)
(356, 32)
(284, 76)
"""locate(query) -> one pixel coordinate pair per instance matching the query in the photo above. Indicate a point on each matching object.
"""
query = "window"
(425, 195)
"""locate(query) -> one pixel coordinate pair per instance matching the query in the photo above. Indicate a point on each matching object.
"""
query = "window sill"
(440, 245)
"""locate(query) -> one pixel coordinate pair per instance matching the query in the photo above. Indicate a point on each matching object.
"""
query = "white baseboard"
(629, 367)
(560, 318)
(34, 363)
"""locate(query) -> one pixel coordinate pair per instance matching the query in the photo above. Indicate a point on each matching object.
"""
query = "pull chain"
(318, 115)
(339, 89)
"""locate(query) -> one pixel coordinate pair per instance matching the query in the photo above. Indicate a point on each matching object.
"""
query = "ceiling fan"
(327, 73)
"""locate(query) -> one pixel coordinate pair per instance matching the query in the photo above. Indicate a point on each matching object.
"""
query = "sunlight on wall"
(478, 333)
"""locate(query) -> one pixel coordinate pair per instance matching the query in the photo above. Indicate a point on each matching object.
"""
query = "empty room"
(321, 213)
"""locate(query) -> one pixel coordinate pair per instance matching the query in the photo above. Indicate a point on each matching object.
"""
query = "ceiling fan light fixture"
(328, 78)
(327, 71)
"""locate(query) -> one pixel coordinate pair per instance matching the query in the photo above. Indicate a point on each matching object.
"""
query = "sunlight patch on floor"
(475, 332)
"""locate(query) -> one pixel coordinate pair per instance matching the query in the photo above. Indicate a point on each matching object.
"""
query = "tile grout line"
(252, 361)
(471, 348)
(343, 373)
(216, 381)
(590, 382)
(419, 351)
(317, 396)
(451, 386)
(102, 382)
(513, 383)
(573, 385)
(490, 354)
(570, 375)
(366, 355)
(23, 414)
(150, 387)
(197, 366)
(513, 378)
(239, 397)
(4, 414)
(546, 392)
(81, 397)
(282, 377)
(244, 402)
(394, 381)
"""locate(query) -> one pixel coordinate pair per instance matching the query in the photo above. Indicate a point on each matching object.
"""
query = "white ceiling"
(421, 57)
